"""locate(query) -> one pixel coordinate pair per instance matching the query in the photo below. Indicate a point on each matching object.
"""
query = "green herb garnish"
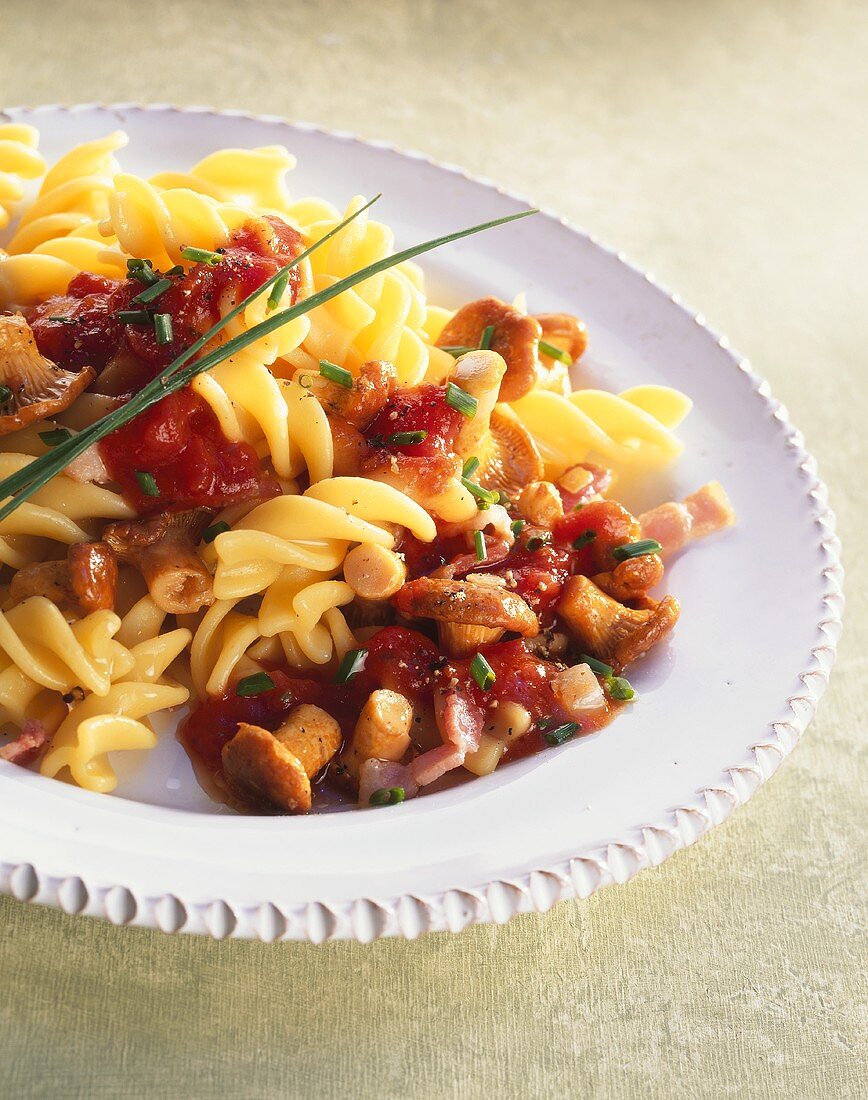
(459, 399)
(555, 353)
(147, 483)
(57, 435)
(584, 539)
(211, 533)
(479, 545)
(559, 734)
(353, 663)
(256, 684)
(485, 341)
(201, 256)
(334, 373)
(163, 328)
(600, 667)
(482, 672)
(636, 549)
(152, 292)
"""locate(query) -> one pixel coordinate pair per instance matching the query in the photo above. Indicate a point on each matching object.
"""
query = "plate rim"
(537, 889)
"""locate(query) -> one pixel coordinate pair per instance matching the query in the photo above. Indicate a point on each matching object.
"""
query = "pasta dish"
(249, 470)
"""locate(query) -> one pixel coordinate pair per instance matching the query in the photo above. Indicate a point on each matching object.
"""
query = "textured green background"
(723, 145)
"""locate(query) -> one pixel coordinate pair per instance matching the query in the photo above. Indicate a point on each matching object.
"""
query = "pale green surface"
(722, 145)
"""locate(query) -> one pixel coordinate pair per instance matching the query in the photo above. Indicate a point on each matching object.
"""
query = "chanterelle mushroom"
(163, 549)
(276, 768)
(85, 582)
(606, 629)
(33, 387)
(360, 403)
(516, 337)
(468, 613)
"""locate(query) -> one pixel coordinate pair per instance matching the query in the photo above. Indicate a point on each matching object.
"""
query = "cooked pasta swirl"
(57, 236)
(19, 161)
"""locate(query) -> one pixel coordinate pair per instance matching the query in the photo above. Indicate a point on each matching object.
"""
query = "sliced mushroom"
(360, 403)
(541, 504)
(33, 387)
(631, 579)
(515, 337)
(85, 582)
(606, 629)
(508, 456)
(163, 549)
(480, 374)
(468, 614)
(276, 768)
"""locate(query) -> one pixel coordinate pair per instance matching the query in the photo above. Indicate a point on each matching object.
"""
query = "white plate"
(719, 709)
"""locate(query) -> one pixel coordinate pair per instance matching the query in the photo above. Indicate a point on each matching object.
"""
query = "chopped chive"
(61, 320)
(201, 256)
(479, 545)
(277, 292)
(58, 435)
(554, 352)
(600, 667)
(484, 497)
(482, 672)
(405, 439)
(636, 549)
(174, 271)
(485, 342)
(470, 467)
(305, 381)
(516, 527)
(163, 328)
(584, 539)
(536, 542)
(135, 317)
(458, 399)
(387, 796)
(456, 351)
(147, 483)
(620, 688)
(559, 734)
(211, 533)
(256, 684)
(353, 663)
(335, 373)
(152, 292)
(143, 271)
(5, 394)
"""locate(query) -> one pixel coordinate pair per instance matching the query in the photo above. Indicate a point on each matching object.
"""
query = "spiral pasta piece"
(63, 511)
(624, 430)
(57, 236)
(253, 178)
(19, 161)
(157, 226)
(382, 318)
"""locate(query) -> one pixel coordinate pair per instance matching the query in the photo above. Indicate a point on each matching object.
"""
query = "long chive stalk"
(32, 477)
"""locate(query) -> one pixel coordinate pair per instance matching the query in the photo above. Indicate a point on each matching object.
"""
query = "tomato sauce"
(178, 441)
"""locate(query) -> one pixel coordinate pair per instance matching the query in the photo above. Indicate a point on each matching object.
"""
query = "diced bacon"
(460, 723)
(374, 775)
(675, 524)
(431, 765)
(28, 746)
